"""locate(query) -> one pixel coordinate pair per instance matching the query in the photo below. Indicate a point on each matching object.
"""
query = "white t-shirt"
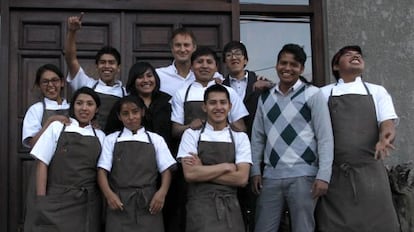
(171, 81)
(196, 93)
(82, 79)
(32, 122)
(45, 147)
(162, 153)
(189, 142)
(384, 106)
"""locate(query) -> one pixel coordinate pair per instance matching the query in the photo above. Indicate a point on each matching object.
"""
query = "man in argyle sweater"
(292, 137)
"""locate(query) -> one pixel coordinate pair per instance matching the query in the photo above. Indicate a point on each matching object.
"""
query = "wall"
(385, 31)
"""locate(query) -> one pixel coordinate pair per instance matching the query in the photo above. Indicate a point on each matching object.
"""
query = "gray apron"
(133, 178)
(193, 109)
(72, 201)
(31, 183)
(359, 195)
(107, 102)
(213, 207)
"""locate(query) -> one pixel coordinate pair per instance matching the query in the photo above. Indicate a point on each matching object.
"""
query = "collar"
(211, 128)
(53, 102)
(357, 80)
(128, 132)
(293, 88)
(74, 122)
(246, 75)
(117, 83)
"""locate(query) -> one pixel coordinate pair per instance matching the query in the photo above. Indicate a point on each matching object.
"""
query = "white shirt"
(171, 81)
(384, 106)
(32, 122)
(82, 79)
(45, 147)
(189, 142)
(239, 86)
(162, 153)
(196, 93)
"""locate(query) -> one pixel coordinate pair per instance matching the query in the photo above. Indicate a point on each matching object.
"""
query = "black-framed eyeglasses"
(53, 81)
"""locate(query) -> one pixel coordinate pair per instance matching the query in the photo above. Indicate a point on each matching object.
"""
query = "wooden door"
(37, 37)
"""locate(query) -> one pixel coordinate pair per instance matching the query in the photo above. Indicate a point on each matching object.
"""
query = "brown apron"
(72, 202)
(31, 185)
(213, 207)
(359, 195)
(133, 178)
(193, 109)
(107, 102)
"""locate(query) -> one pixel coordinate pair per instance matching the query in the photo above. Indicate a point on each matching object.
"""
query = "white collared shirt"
(196, 93)
(32, 122)
(294, 87)
(189, 142)
(162, 153)
(82, 79)
(45, 147)
(384, 106)
(239, 86)
(171, 81)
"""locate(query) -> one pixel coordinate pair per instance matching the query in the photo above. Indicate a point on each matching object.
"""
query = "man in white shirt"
(363, 123)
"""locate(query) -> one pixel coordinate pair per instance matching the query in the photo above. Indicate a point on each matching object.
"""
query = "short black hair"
(204, 51)
(216, 88)
(338, 54)
(234, 45)
(298, 53)
(108, 50)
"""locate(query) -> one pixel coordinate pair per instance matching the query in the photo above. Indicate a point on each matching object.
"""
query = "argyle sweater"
(292, 134)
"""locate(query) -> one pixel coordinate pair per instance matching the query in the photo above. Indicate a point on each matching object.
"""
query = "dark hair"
(137, 71)
(47, 67)
(337, 56)
(182, 31)
(234, 45)
(108, 50)
(203, 51)
(114, 124)
(216, 88)
(87, 91)
(298, 53)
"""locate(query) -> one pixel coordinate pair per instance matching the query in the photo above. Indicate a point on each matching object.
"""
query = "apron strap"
(186, 93)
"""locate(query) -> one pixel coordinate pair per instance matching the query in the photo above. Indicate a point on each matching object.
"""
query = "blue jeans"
(296, 193)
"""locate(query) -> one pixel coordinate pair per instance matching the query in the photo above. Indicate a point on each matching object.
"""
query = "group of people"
(180, 148)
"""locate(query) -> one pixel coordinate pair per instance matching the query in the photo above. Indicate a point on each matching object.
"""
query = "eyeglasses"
(237, 54)
(53, 81)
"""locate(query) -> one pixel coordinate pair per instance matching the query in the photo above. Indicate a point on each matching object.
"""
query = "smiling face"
(204, 68)
(182, 46)
(145, 84)
(350, 64)
(131, 116)
(235, 62)
(288, 70)
(108, 68)
(85, 109)
(51, 85)
(217, 107)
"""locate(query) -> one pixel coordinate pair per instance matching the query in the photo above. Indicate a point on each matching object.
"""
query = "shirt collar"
(211, 128)
(74, 122)
(357, 80)
(293, 88)
(117, 83)
(128, 132)
(242, 79)
(53, 102)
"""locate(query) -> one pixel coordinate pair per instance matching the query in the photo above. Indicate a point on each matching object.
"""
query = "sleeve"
(105, 159)
(188, 143)
(177, 106)
(32, 123)
(243, 149)
(45, 146)
(80, 79)
(238, 109)
(322, 127)
(258, 140)
(162, 153)
(385, 106)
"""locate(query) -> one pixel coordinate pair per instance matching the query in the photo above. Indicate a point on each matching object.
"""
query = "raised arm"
(74, 24)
